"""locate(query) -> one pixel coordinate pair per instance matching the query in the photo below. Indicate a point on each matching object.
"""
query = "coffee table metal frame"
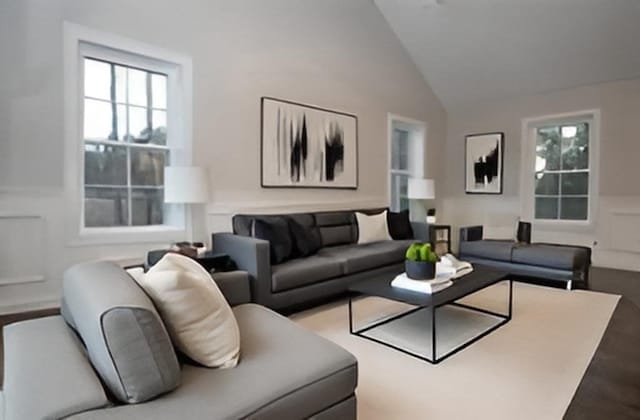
(435, 359)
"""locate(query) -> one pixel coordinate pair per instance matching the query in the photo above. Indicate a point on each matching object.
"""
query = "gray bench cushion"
(47, 374)
(304, 271)
(285, 372)
(490, 249)
(357, 258)
(560, 257)
(124, 336)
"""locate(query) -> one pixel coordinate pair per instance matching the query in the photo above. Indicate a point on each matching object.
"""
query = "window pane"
(574, 208)
(575, 183)
(147, 167)
(104, 207)
(400, 150)
(138, 129)
(98, 120)
(548, 148)
(548, 184)
(137, 87)
(121, 84)
(575, 146)
(546, 207)
(97, 79)
(105, 165)
(159, 90)
(159, 122)
(146, 206)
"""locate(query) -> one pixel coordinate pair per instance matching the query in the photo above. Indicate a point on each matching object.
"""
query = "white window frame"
(527, 174)
(417, 146)
(80, 41)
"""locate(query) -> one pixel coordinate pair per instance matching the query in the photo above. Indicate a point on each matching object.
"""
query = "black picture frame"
(482, 146)
(318, 184)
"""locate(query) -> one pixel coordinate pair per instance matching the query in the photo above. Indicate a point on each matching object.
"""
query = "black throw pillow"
(276, 231)
(306, 239)
(399, 225)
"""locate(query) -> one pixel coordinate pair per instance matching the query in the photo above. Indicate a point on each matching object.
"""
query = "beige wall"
(617, 224)
(332, 53)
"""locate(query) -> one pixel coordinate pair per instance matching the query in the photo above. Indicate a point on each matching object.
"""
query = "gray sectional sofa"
(566, 265)
(340, 261)
(110, 344)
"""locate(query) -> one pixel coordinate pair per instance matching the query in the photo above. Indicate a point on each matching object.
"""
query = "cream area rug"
(527, 369)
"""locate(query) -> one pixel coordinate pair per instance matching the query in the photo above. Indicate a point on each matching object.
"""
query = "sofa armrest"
(471, 233)
(251, 255)
(234, 285)
(47, 374)
(420, 231)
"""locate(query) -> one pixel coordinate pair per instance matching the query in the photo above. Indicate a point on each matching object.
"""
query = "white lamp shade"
(421, 189)
(185, 184)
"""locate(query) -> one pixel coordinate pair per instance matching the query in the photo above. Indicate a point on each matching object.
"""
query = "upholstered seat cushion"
(285, 372)
(304, 271)
(357, 258)
(552, 256)
(489, 249)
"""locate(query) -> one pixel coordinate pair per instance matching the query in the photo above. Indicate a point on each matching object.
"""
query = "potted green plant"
(420, 262)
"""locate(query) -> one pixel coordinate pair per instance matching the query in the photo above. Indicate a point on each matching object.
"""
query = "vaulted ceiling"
(471, 51)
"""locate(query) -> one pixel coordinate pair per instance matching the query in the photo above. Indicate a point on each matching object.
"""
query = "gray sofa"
(564, 264)
(110, 344)
(301, 282)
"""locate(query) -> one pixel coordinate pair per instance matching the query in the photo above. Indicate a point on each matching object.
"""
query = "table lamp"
(422, 189)
(186, 185)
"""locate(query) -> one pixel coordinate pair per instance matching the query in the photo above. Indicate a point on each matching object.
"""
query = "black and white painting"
(306, 146)
(483, 163)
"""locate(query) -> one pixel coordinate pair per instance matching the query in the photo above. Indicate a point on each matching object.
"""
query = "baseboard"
(29, 306)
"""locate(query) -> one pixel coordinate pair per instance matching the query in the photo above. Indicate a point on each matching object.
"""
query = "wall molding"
(28, 306)
(290, 206)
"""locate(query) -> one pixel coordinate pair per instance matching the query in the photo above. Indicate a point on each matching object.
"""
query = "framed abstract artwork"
(305, 146)
(484, 163)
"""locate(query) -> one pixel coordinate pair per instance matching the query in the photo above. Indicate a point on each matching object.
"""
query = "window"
(125, 144)
(562, 172)
(400, 173)
(559, 177)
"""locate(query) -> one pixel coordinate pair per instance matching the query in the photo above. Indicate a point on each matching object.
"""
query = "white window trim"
(417, 156)
(78, 38)
(527, 178)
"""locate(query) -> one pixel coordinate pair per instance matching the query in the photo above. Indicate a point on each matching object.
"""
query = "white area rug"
(526, 369)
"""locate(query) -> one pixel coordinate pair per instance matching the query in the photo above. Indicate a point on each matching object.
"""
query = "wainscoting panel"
(625, 230)
(22, 254)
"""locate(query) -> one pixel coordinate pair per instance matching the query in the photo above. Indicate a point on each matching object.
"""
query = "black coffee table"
(479, 279)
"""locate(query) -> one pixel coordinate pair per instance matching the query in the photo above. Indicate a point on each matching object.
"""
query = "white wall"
(617, 223)
(331, 53)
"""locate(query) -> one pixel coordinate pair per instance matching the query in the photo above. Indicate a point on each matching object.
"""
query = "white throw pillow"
(372, 228)
(198, 317)
(505, 228)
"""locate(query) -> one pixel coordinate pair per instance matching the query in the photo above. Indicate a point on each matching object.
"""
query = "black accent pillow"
(276, 231)
(306, 240)
(399, 225)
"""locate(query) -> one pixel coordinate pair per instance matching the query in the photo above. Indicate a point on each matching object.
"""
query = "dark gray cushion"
(306, 240)
(490, 249)
(399, 225)
(337, 235)
(242, 222)
(561, 257)
(285, 372)
(276, 231)
(125, 339)
(304, 271)
(357, 258)
(335, 218)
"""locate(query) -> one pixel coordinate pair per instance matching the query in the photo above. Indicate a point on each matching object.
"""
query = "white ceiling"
(471, 51)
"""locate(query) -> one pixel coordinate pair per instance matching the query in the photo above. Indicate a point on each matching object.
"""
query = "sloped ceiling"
(471, 51)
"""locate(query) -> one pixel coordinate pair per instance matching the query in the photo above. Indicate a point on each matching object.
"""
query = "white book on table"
(440, 282)
(456, 268)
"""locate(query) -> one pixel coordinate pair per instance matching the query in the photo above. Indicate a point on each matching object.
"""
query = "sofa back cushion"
(242, 223)
(125, 338)
(337, 227)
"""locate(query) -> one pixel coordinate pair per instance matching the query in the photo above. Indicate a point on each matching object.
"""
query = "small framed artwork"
(484, 163)
(305, 146)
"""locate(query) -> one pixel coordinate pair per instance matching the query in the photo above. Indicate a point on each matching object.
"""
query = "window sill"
(128, 235)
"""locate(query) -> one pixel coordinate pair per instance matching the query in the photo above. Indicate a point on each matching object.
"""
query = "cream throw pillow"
(372, 228)
(198, 317)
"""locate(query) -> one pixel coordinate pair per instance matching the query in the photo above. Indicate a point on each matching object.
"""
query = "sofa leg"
(569, 284)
